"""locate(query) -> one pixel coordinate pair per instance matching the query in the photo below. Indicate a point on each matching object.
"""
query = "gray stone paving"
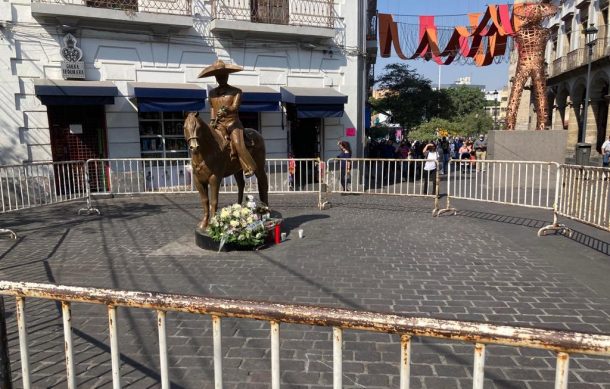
(382, 254)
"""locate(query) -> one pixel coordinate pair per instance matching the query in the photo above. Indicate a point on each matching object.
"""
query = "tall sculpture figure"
(531, 39)
(225, 101)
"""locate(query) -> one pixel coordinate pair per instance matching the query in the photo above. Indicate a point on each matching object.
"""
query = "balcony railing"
(579, 57)
(557, 67)
(600, 50)
(168, 7)
(314, 13)
(576, 58)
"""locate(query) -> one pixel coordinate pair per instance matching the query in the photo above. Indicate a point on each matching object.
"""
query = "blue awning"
(166, 97)
(62, 92)
(297, 95)
(314, 102)
(259, 99)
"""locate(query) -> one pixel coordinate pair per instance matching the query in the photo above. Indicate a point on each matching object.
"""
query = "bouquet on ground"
(243, 225)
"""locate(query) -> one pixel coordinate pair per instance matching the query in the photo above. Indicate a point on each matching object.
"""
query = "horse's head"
(192, 128)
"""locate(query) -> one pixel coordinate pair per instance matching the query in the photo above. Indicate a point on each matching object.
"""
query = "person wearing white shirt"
(606, 153)
(432, 157)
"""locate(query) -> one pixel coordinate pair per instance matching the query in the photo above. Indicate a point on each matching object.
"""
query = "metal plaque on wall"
(72, 67)
(71, 70)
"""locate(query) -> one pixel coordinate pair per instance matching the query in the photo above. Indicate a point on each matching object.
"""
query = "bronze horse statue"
(211, 161)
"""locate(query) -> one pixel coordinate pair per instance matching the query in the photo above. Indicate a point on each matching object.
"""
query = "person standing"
(606, 153)
(480, 148)
(445, 148)
(345, 167)
(432, 158)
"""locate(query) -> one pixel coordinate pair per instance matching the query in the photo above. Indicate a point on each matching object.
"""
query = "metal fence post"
(559, 186)
(89, 209)
(448, 208)
(5, 362)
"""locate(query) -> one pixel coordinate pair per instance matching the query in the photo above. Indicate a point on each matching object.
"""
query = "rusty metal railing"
(171, 7)
(481, 334)
(315, 13)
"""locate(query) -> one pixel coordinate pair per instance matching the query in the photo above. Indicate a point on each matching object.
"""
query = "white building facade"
(567, 57)
(112, 78)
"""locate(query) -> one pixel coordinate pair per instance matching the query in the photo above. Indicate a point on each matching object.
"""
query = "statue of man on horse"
(224, 148)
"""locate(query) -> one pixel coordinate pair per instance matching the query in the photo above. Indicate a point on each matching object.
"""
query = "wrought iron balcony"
(576, 58)
(579, 57)
(311, 13)
(172, 7)
(150, 12)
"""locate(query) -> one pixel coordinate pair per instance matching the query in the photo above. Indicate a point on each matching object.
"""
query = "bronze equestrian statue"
(531, 39)
(225, 148)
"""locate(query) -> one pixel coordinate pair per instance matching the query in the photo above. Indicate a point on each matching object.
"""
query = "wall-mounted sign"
(350, 131)
(72, 67)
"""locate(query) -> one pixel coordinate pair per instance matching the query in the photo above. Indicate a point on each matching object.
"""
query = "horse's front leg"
(241, 184)
(215, 188)
(205, 204)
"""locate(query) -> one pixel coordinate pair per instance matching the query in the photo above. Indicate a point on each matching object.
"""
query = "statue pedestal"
(203, 241)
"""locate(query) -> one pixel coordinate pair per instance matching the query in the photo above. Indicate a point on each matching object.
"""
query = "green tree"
(429, 130)
(465, 100)
(410, 97)
(475, 123)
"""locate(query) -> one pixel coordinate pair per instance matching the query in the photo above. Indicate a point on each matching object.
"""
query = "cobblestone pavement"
(381, 254)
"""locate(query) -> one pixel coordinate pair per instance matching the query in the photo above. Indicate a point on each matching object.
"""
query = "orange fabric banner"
(486, 38)
(388, 35)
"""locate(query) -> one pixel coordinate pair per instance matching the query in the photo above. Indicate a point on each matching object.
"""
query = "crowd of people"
(448, 148)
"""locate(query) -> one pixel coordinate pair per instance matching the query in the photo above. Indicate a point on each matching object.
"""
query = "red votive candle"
(278, 238)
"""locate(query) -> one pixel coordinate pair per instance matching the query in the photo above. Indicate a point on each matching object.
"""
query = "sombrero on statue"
(219, 68)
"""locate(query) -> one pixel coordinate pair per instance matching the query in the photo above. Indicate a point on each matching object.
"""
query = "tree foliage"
(423, 111)
(410, 97)
(465, 100)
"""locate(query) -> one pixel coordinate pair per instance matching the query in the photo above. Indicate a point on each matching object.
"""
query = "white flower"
(250, 219)
(241, 237)
(234, 223)
(236, 206)
(236, 214)
(245, 211)
(259, 235)
(224, 213)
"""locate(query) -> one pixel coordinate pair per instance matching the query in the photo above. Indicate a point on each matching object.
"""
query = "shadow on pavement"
(576, 236)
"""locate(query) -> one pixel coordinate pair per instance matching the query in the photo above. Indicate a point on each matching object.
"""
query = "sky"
(494, 76)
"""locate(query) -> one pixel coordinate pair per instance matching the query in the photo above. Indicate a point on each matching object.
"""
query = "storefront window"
(161, 135)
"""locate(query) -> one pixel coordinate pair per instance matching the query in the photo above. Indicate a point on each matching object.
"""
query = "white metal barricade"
(397, 177)
(480, 334)
(522, 183)
(43, 183)
(585, 195)
(132, 176)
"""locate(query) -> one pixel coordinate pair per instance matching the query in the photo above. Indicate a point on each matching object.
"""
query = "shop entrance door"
(78, 133)
(305, 139)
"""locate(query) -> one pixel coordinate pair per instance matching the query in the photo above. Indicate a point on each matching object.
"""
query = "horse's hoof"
(202, 226)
